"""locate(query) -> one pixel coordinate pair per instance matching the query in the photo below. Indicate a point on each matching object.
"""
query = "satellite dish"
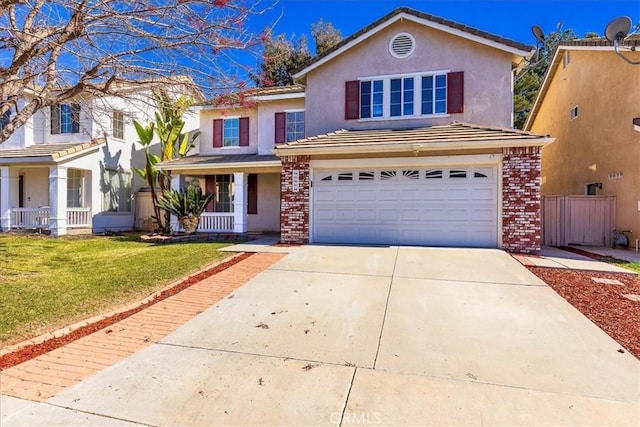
(538, 33)
(618, 29)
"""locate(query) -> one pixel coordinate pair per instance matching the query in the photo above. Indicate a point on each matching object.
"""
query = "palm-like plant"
(186, 204)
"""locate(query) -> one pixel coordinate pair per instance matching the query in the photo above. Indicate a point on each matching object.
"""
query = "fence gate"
(578, 220)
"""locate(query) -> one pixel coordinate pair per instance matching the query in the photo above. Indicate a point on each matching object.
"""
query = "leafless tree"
(53, 51)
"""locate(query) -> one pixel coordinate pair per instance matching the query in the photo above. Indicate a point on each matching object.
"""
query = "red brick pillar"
(521, 200)
(294, 199)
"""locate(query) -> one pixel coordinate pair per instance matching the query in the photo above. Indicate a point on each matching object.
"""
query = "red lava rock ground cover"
(35, 350)
(603, 304)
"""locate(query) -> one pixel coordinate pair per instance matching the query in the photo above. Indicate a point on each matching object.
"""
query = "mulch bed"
(603, 304)
(35, 350)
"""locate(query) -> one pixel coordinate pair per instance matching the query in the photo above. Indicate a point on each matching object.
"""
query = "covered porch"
(42, 188)
(246, 191)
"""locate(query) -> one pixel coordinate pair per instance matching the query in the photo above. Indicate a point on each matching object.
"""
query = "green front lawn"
(47, 282)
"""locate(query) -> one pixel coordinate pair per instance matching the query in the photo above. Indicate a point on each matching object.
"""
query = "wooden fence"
(578, 220)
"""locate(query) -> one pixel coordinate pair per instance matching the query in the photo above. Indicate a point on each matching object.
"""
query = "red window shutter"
(352, 100)
(210, 188)
(455, 92)
(217, 133)
(281, 128)
(244, 131)
(252, 194)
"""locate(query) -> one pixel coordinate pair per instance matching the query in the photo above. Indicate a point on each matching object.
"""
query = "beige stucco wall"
(206, 130)
(266, 121)
(600, 145)
(268, 217)
(487, 78)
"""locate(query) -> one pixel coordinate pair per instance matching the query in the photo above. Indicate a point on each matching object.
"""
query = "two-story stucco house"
(590, 101)
(70, 168)
(401, 134)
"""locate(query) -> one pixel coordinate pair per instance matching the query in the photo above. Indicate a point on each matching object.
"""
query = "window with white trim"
(231, 132)
(5, 118)
(412, 95)
(295, 125)
(65, 118)
(224, 193)
(74, 188)
(117, 124)
(371, 98)
(116, 190)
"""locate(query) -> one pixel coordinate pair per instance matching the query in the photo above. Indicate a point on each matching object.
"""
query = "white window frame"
(224, 120)
(75, 184)
(286, 123)
(417, 95)
(114, 121)
(574, 113)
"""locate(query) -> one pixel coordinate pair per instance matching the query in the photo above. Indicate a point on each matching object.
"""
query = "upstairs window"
(117, 124)
(407, 96)
(231, 132)
(371, 98)
(65, 118)
(434, 94)
(5, 118)
(573, 114)
(402, 97)
(289, 126)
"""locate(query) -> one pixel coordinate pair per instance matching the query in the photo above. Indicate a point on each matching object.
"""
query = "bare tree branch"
(53, 51)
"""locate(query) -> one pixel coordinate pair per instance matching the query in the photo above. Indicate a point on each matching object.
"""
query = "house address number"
(295, 181)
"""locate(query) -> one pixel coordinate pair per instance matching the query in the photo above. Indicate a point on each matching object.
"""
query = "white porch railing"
(30, 218)
(39, 218)
(78, 217)
(216, 221)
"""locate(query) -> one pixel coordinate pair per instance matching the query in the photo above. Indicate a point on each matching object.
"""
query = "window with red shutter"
(352, 100)
(455, 92)
(280, 128)
(244, 132)
(217, 133)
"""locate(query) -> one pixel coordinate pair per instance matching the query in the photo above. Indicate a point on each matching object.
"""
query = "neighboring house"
(71, 166)
(401, 134)
(590, 101)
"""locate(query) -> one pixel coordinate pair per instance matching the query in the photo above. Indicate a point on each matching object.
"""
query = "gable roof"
(596, 44)
(516, 48)
(454, 136)
(48, 153)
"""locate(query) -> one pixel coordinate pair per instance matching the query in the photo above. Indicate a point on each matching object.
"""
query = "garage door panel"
(344, 195)
(367, 195)
(370, 214)
(323, 195)
(396, 207)
(324, 214)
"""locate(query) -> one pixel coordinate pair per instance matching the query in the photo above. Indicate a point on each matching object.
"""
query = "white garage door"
(443, 206)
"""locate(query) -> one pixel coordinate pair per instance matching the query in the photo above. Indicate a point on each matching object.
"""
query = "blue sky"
(508, 18)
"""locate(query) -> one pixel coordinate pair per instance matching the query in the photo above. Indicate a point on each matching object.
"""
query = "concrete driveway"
(370, 335)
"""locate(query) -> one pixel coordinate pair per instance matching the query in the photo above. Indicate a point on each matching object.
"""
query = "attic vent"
(402, 45)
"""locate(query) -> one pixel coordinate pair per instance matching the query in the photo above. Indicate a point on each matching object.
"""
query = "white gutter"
(415, 147)
(186, 167)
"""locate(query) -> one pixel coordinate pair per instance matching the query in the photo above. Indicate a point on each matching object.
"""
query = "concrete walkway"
(382, 336)
(557, 258)
(46, 375)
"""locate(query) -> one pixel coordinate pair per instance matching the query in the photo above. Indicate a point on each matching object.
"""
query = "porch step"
(197, 237)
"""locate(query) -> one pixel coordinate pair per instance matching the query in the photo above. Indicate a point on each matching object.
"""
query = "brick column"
(294, 200)
(521, 200)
